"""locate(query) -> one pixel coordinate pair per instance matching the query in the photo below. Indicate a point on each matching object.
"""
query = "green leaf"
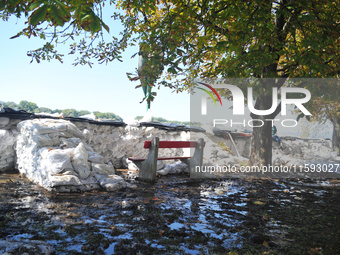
(15, 36)
(172, 70)
(95, 24)
(14, 2)
(180, 52)
(78, 12)
(56, 16)
(85, 17)
(2, 5)
(34, 5)
(221, 46)
(63, 11)
(60, 3)
(105, 26)
(38, 15)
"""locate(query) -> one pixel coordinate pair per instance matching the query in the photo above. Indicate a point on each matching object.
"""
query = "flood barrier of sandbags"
(75, 154)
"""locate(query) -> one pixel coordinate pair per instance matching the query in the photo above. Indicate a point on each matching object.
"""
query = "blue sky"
(103, 88)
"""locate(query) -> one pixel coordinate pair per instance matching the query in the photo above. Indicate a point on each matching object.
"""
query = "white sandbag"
(10, 159)
(88, 135)
(3, 164)
(91, 180)
(63, 180)
(165, 170)
(130, 121)
(131, 165)
(90, 183)
(90, 116)
(175, 168)
(4, 121)
(102, 169)
(56, 160)
(178, 167)
(65, 127)
(96, 158)
(75, 131)
(71, 131)
(6, 140)
(147, 117)
(115, 135)
(80, 161)
(160, 164)
(97, 139)
(111, 182)
(45, 140)
(69, 142)
(67, 172)
(38, 130)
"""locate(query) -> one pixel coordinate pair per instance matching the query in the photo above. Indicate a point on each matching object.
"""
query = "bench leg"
(197, 159)
(139, 164)
(148, 168)
(186, 161)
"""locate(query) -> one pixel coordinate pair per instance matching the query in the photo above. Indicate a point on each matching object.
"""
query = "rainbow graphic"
(209, 93)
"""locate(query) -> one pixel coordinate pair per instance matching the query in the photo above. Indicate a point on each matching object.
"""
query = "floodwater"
(176, 215)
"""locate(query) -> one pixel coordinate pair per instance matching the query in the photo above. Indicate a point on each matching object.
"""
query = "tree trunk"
(261, 147)
(336, 135)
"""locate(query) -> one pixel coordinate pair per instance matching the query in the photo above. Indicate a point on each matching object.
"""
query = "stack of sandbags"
(7, 151)
(116, 144)
(53, 153)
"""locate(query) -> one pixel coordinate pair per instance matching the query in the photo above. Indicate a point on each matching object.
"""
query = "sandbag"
(111, 182)
(103, 169)
(56, 160)
(80, 161)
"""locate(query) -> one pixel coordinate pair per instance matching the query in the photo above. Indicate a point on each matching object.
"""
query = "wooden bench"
(148, 166)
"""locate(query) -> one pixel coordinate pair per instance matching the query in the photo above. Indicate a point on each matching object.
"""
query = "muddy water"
(175, 216)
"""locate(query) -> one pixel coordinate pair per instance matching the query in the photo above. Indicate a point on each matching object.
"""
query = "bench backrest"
(172, 144)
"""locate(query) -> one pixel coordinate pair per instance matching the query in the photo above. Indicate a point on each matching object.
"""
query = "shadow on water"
(176, 215)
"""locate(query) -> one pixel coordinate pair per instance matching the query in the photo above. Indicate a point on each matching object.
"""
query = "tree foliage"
(28, 106)
(58, 21)
(33, 108)
(263, 39)
(163, 120)
(106, 115)
(277, 38)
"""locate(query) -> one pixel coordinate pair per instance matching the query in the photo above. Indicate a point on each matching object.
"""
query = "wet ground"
(176, 215)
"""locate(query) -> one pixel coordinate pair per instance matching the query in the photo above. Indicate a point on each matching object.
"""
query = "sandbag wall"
(116, 144)
(81, 155)
(8, 138)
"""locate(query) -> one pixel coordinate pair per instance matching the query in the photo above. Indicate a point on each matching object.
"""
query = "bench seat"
(148, 166)
(161, 158)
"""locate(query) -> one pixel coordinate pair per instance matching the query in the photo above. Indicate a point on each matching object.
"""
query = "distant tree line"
(34, 108)
(162, 120)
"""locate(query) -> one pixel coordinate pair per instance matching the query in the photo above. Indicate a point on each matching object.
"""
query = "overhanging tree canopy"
(205, 39)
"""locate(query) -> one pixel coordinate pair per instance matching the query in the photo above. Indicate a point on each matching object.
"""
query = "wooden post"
(148, 168)
(197, 159)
